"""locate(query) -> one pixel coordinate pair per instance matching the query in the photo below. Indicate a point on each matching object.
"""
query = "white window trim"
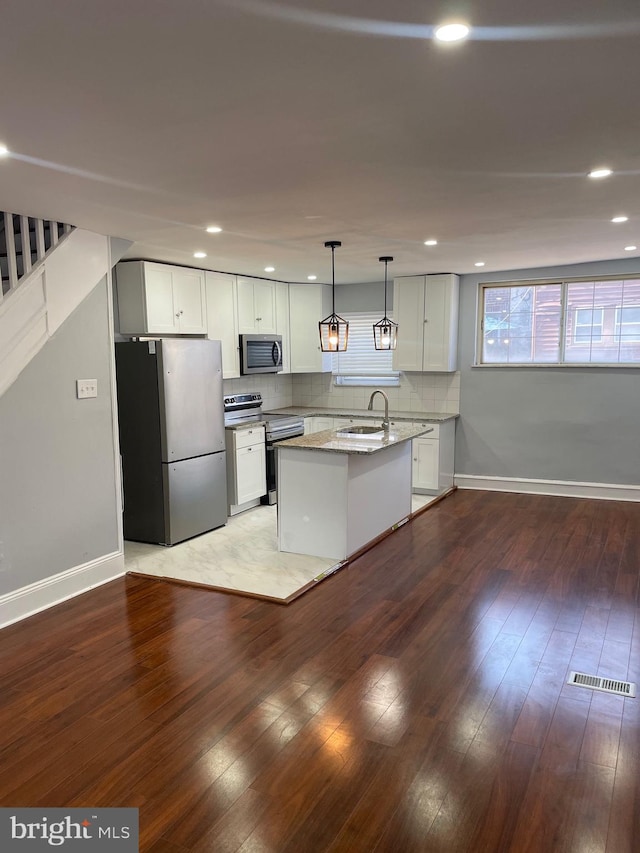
(618, 325)
(574, 330)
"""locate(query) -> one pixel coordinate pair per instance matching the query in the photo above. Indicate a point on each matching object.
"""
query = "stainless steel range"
(247, 408)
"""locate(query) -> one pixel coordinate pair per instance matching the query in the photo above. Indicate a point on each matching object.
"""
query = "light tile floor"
(242, 556)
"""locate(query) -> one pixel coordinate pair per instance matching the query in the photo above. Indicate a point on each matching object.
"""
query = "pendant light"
(334, 330)
(385, 331)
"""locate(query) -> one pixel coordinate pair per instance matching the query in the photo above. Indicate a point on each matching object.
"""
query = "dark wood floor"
(415, 701)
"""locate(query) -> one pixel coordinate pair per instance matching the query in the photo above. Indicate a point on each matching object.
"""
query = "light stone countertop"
(328, 441)
(246, 425)
(377, 413)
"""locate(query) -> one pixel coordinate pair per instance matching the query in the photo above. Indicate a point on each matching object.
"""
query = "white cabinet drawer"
(249, 436)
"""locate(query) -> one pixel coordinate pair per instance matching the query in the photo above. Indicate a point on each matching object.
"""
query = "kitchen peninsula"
(337, 493)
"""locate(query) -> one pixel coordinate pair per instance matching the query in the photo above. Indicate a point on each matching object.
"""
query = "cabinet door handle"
(249, 449)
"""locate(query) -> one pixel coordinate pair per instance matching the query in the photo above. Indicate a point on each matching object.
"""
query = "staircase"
(46, 270)
(24, 242)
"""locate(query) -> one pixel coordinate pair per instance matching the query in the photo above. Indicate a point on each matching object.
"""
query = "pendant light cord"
(333, 279)
(386, 262)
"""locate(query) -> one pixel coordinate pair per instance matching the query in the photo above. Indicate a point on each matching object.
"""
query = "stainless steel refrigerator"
(172, 440)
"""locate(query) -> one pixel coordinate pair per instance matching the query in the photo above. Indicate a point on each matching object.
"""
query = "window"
(560, 322)
(362, 363)
(628, 325)
(587, 325)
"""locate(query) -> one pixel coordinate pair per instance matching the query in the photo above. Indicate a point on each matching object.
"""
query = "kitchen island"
(336, 494)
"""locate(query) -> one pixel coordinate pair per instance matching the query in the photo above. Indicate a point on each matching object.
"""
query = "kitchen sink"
(368, 431)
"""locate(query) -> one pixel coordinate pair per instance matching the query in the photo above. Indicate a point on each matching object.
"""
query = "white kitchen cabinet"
(256, 306)
(322, 422)
(425, 464)
(308, 305)
(433, 458)
(222, 319)
(319, 422)
(160, 299)
(426, 310)
(282, 324)
(246, 467)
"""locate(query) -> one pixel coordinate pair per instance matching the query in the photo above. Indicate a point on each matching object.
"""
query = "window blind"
(362, 363)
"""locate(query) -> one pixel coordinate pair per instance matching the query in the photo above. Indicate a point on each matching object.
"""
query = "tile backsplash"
(417, 392)
(275, 388)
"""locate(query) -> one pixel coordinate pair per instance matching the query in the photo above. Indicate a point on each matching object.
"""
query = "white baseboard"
(38, 596)
(562, 488)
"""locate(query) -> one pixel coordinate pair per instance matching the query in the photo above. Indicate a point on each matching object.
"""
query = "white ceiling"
(151, 119)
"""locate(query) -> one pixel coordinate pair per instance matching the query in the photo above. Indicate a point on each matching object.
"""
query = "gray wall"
(57, 483)
(368, 296)
(562, 423)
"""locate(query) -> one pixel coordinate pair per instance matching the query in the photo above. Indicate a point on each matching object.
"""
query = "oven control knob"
(255, 396)
(232, 399)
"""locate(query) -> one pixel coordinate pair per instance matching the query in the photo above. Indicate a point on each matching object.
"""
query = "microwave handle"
(277, 359)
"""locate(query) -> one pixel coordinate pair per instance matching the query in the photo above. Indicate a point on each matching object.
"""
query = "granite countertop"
(246, 424)
(328, 440)
(318, 411)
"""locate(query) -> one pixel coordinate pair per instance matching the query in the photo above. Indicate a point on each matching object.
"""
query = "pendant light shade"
(334, 330)
(385, 331)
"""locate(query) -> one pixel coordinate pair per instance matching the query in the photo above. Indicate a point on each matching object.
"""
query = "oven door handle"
(276, 353)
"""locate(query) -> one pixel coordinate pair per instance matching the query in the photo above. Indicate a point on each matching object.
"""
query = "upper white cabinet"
(425, 307)
(222, 319)
(256, 306)
(308, 305)
(283, 326)
(160, 299)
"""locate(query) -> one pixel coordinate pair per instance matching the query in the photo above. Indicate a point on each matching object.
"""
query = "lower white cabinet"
(424, 467)
(246, 467)
(433, 458)
(316, 424)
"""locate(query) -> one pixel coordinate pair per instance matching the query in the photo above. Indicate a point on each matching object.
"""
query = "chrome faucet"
(385, 422)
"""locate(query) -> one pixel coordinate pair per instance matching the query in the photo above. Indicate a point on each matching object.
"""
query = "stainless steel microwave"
(260, 354)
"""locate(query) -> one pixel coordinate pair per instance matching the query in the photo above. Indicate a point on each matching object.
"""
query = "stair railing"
(24, 242)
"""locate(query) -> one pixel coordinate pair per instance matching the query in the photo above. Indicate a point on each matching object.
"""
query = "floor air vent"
(606, 685)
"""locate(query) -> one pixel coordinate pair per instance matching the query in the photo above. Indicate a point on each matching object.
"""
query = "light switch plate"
(86, 388)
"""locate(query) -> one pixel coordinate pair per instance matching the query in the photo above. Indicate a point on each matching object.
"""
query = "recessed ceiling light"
(630, 248)
(269, 269)
(312, 277)
(199, 254)
(214, 229)
(3, 150)
(599, 173)
(479, 263)
(451, 32)
(620, 219)
(431, 242)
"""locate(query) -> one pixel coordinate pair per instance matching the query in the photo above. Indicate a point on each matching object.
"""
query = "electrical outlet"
(86, 388)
